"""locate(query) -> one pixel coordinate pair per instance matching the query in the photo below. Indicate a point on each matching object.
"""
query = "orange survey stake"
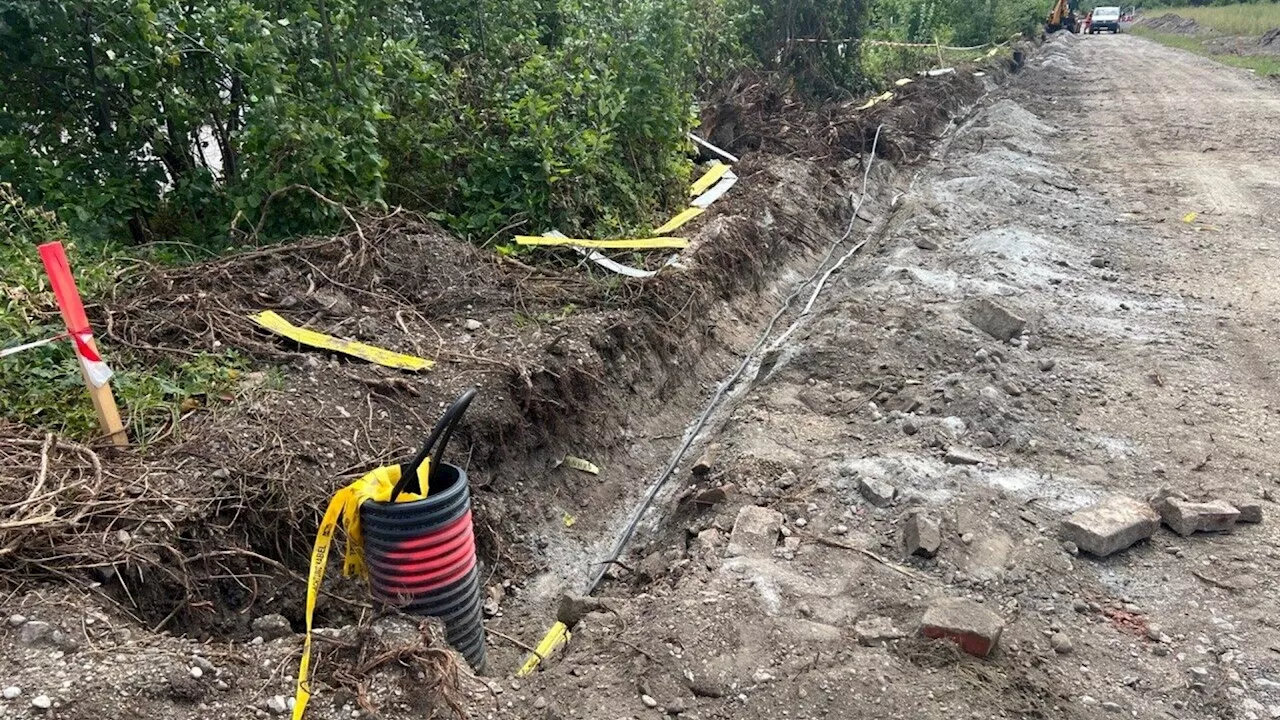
(95, 372)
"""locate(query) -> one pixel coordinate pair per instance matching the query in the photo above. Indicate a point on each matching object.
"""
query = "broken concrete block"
(876, 631)
(922, 535)
(755, 532)
(972, 626)
(1250, 511)
(961, 456)
(994, 320)
(877, 492)
(1185, 517)
(1113, 524)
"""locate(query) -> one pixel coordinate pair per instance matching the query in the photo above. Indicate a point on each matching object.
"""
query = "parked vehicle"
(1105, 18)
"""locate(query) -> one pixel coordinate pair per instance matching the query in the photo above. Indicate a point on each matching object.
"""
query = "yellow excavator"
(1061, 17)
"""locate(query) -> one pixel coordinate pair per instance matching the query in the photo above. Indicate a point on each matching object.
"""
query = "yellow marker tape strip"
(641, 244)
(709, 178)
(555, 639)
(380, 356)
(685, 216)
(345, 506)
(1189, 218)
(903, 81)
(877, 99)
(578, 463)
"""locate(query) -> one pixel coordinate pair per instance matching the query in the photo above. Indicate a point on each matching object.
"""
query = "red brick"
(970, 625)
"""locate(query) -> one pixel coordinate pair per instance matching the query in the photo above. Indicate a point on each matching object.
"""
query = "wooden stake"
(72, 309)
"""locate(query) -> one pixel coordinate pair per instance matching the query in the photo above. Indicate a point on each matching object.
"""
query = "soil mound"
(1172, 23)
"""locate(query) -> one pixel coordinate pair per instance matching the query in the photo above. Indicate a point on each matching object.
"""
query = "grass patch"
(42, 387)
(1266, 65)
(1242, 19)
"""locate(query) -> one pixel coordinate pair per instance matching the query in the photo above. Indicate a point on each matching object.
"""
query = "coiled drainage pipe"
(421, 554)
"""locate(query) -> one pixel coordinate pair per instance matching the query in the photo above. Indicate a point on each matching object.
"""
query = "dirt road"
(1147, 361)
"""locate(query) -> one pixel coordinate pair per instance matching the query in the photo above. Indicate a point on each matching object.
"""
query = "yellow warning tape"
(641, 244)
(877, 99)
(555, 638)
(718, 169)
(578, 463)
(903, 81)
(345, 506)
(380, 356)
(685, 216)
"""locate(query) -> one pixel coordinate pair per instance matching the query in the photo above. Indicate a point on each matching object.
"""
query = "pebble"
(840, 530)
(196, 672)
(277, 704)
(1112, 707)
(539, 703)
(1080, 606)
(1071, 548)
(1160, 650)
(473, 325)
(648, 701)
(222, 685)
(17, 620)
(42, 702)
(1047, 364)
(967, 538)
(800, 522)
(1061, 644)
(12, 692)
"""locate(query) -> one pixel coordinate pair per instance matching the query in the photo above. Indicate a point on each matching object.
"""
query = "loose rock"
(1185, 518)
(36, 632)
(707, 461)
(1047, 364)
(755, 532)
(648, 701)
(1061, 644)
(1250, 511)
(1113, 524)
(41, 702)
(877, 492)
(876, 631)
(961, 456)
(17, 620)
(975, 628)
(995, 320)
(922, 535)
(277, 704)
(925, 243)
(273, 626)
(12, 692)
(473, 325)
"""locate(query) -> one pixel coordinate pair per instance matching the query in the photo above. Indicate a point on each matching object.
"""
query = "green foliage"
(1233, 18)
(155, 120)
(42, 387)
(1266, 65)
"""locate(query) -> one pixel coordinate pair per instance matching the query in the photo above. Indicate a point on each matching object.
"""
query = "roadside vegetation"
(1265, 65)
(1233, 19)
(159, 131)
(1215, 27)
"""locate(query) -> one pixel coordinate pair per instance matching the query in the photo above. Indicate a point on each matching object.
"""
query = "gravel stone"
(12, 692)
(41, 702)
(270, 627)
